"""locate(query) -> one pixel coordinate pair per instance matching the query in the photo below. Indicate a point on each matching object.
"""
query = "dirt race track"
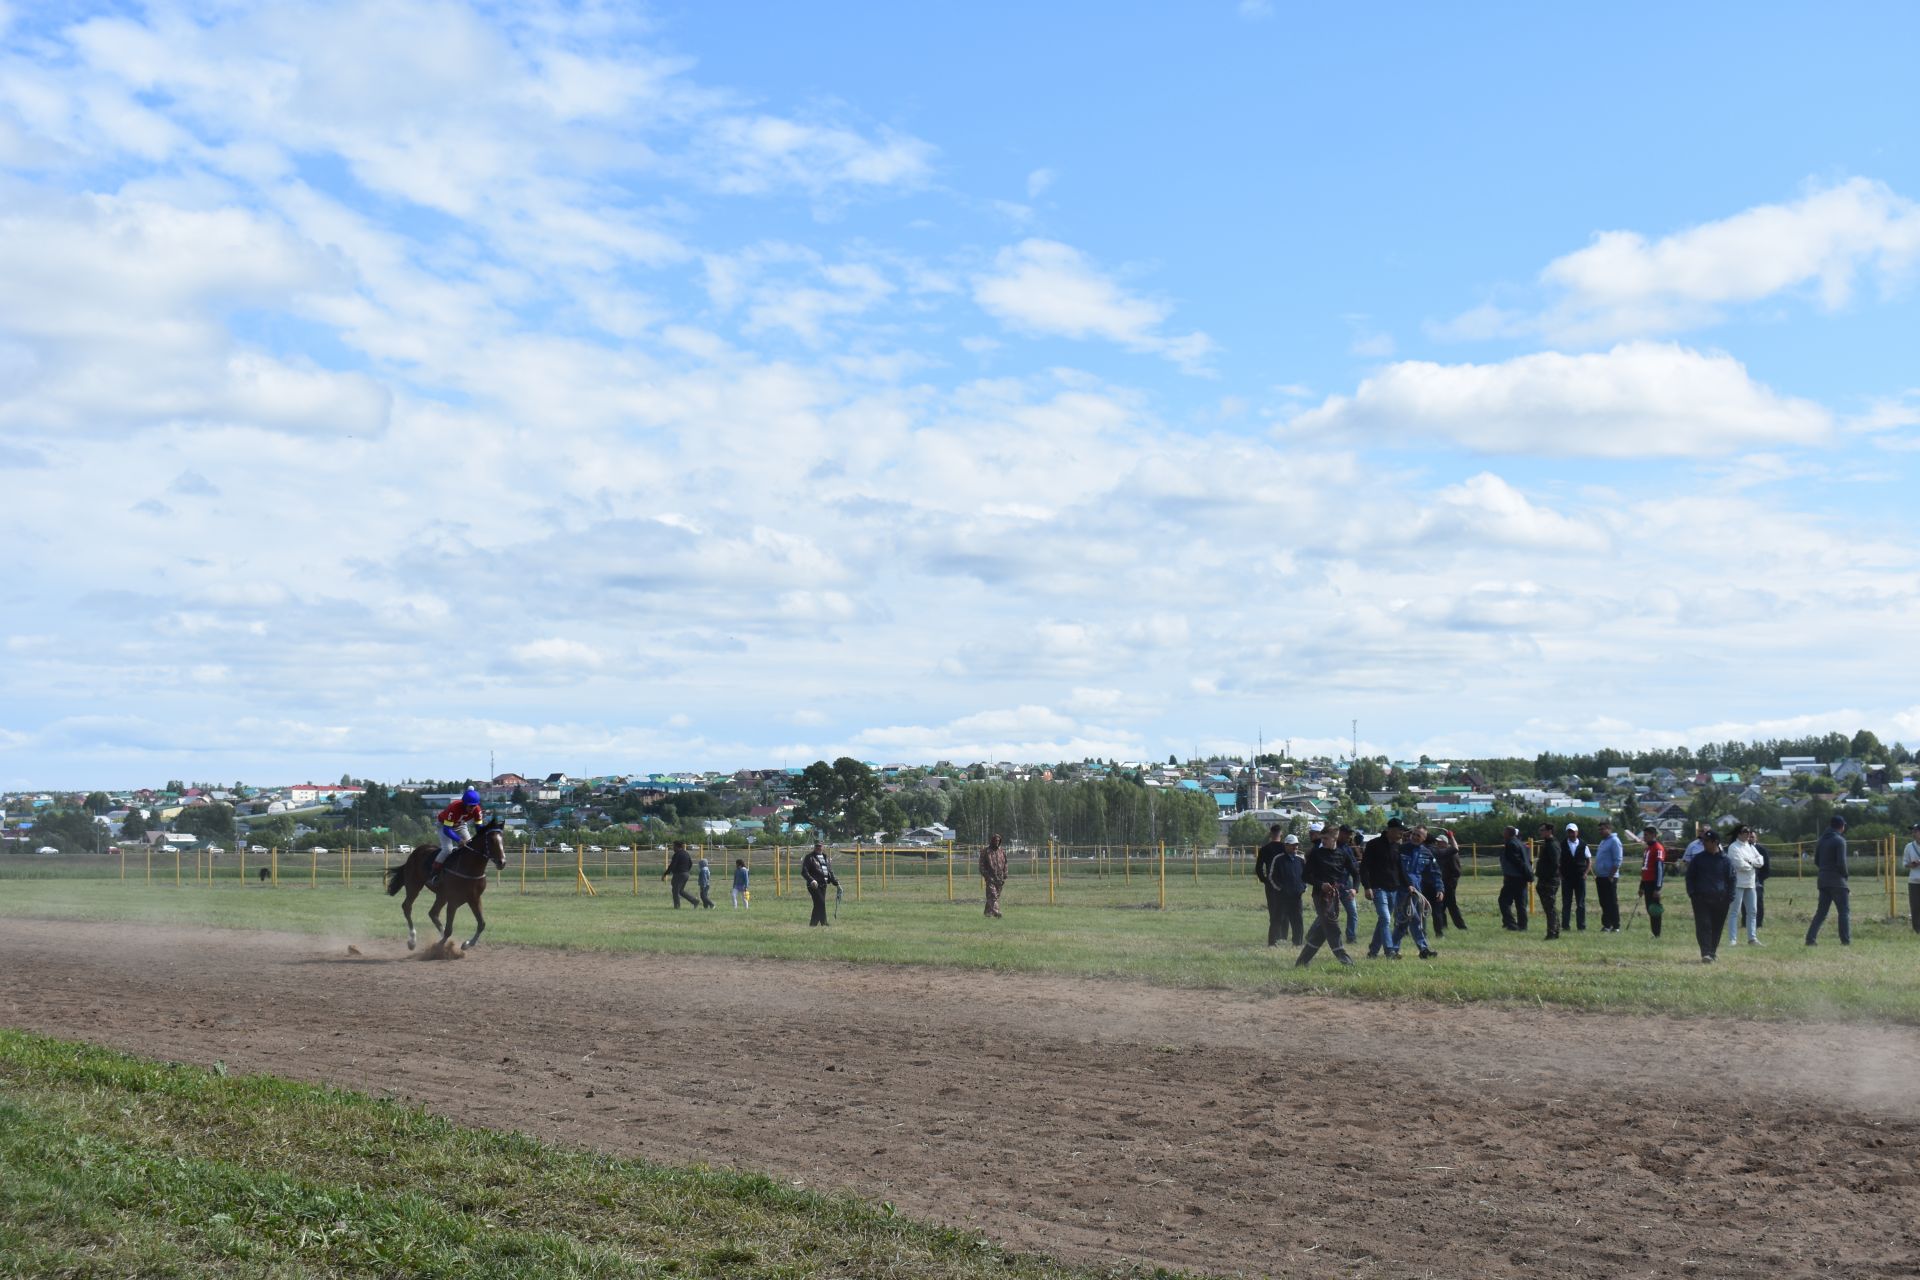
(1098, 1121)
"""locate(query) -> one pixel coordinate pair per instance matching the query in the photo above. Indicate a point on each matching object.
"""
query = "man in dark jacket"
(679, 867)
(1830, 862)
(1546, 873)
(817, 870)
(1380, 873)
(1446, 851)
(1516, 873)
(1326, 870)
(1710, 887)
(1350, 880)
(1573, 878)
(1273, 852)
(1423, 893)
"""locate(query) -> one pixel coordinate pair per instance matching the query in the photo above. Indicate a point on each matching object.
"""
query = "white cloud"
(1039, 182)
(1624, 284)
(1638, 400)
(558, 651)
(1043, 286)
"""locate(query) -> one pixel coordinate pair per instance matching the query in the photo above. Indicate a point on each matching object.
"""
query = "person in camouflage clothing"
(993, 870)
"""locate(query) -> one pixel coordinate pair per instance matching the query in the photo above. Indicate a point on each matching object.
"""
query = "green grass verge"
(1211, 936)
(115, 1166)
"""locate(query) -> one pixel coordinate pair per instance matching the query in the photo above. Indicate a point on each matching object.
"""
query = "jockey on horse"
(456, 828)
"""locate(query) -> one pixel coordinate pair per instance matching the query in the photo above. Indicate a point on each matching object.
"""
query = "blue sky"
(623, 388)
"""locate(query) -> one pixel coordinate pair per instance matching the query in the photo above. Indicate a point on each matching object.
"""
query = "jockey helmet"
(472, 796)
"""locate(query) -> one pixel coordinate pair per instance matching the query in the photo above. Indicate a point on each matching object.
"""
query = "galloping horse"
(462, 880)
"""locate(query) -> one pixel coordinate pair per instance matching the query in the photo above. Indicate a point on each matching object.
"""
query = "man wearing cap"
(1653, 876)
(1277, 869)
(1573, 878)
(1710, 887)
(1830, 860)
(1516, 873)
(1546, 877)
(1607, 857)
(1910, 859)
(1446, 852)
(1326, 870)
(1381, 874)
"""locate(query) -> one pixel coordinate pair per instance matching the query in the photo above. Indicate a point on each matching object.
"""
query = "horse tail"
(396, 879)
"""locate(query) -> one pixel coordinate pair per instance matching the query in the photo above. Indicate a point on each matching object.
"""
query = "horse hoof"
(410, 943)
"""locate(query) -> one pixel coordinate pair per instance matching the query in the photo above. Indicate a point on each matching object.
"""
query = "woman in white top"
(1746, 862)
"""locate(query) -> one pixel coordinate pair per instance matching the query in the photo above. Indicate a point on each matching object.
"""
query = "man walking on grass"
(1272, 852)
(1607, 857)
(1516, 874)
(1830, 860)
(1546, 872)
(1710, 888)
(1385, 882)
(1326, 872)
(679, 867)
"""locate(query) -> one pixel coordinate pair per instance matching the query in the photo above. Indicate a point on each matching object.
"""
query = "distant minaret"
(1260, 748)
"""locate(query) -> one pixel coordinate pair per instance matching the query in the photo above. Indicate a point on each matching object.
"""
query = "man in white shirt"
(1746, 861)
(1911, 861)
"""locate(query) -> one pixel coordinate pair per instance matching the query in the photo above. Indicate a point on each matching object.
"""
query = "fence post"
(634, 849)
(176, 866)
(273, 860)
(149, 864)
(349, 864)
(949, 871)
(1050, 872)
(313, 869)
(1163, 875)
(1126, 863)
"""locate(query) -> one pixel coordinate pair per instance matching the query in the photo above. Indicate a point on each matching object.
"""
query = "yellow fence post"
(176, 866)
(347, 865)
(1163, 875)
(1051, 872)
(1196, 862)
(546, 852)
(149, 864)
(313, 870)
(273, 861)
(634, 849)
(949, 871)
(859, 863)
(1126, 863)
(581, 884)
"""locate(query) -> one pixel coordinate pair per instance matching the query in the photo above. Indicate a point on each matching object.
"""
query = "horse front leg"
(406, 909)
(479, 922)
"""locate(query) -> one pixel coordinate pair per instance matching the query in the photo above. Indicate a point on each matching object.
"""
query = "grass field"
(115, 1166)
(1212, 935)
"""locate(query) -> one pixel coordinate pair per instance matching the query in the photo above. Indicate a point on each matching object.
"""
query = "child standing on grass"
(741, 897)
(706, 883)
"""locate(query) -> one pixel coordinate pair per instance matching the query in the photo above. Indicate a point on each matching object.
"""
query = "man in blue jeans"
(1385, 881)
(1830, 861)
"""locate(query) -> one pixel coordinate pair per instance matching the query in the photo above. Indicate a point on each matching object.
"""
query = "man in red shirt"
(1653, 877)
(456, 827)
